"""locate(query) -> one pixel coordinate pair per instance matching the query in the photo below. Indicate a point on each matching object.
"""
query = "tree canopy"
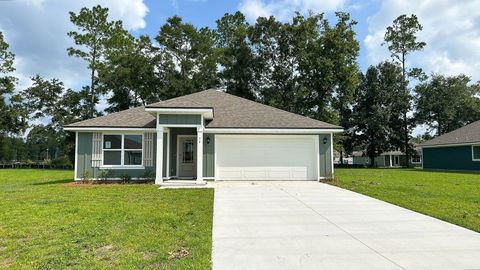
(446, 103)
(375, 110)
(12, 113)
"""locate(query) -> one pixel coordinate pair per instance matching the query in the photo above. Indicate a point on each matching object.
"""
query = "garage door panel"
(255, 173)
(231, 173)
(299, 173)
(266, 157)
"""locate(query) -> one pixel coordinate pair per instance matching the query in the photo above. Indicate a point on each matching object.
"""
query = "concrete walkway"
(309, 225)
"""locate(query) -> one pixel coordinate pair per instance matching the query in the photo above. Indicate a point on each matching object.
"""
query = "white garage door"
(266, 157)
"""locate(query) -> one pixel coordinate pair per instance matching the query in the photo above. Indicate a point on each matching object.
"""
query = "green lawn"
(47, 224)
(453, 197)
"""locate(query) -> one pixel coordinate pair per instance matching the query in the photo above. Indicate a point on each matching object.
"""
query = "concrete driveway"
(309, 225)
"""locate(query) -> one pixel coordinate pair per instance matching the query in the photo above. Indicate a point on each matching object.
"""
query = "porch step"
(182, 184)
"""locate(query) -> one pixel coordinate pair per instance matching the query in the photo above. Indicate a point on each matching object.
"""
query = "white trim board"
(449, 145)
(332, 167)
(206, 112)
(291, 131)
(75, 167)
(94, 129)
(473, 157)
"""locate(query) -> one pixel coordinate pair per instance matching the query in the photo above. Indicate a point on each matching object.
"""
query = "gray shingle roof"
(234, 112)
(131, 118)
(467, 134)
(229, 112)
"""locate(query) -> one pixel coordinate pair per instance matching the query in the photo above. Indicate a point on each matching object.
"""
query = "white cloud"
(284, 9)
(451, 30)
(37, 33)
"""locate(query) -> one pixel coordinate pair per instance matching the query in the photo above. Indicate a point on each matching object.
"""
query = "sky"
(37, 29)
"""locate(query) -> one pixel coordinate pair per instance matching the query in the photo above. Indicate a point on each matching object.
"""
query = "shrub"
(126, 178)
(63, 161)
(85, 177)
(103, 175)
(149, 175)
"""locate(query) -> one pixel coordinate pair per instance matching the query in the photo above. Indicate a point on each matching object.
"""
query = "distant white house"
(387, 159)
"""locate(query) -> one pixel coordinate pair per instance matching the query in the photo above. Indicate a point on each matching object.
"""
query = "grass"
(450, 196)
(46, 223)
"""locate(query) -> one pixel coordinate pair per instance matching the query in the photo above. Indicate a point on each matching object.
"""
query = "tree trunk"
(405, 117)
(92, 93)
(92, 82)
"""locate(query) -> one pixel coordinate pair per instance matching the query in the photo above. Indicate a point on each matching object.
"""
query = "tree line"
(307, 66)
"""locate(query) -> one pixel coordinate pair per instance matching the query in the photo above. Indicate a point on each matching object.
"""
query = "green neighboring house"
(238, 139)
(457, 150)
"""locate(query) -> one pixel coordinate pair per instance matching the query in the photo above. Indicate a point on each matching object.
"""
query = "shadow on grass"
(53, 182)
(439, 171)
(417, 169)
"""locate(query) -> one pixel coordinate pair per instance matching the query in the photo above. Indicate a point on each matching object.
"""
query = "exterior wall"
(176, 119)
(450, 158)
(359, 160)
(84, 160)
(379, 161)
(387, 160)
(174, 132)
(326, 162)
(209, 156)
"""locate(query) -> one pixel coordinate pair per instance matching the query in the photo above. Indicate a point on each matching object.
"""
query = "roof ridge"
(181, 97)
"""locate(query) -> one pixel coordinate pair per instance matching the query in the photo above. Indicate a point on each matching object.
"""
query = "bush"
(63, 161)
(358, 166)
(103, 175)
(126, 178)
(85, 177)
(149, 175)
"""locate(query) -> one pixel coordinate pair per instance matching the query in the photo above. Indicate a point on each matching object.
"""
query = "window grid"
(476, 152)
(122, 151)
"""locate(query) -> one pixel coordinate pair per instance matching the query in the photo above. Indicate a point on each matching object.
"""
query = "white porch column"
(200, 155)
(159, 157)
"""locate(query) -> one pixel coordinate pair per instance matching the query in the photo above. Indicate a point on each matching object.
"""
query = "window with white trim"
(416, 159)
(476, 152)
(122, 150)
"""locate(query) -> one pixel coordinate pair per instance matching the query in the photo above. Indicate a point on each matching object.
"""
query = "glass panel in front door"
(187, 151)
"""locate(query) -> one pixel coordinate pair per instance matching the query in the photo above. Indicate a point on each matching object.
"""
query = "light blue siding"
(177, 119)
(84, 160)
(208, 155)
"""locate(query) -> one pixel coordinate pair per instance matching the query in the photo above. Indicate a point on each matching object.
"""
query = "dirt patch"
(6, 263)
(330, 181)
(148, 255)
(178, 253)
(103, 183)
(106, 253)
(75, 184)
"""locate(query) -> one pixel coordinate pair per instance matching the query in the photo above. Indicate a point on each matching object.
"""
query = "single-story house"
(456, 150)
(388, 159)
(238, 139)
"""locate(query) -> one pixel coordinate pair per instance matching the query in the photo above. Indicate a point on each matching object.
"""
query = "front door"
(187, 156)
(397, 161)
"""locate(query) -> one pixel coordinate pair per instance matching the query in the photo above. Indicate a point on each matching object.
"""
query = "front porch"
(182, 149)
